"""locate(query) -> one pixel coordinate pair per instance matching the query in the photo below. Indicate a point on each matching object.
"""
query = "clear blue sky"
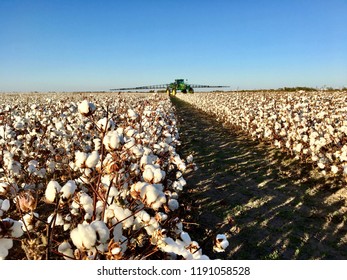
(97, 45)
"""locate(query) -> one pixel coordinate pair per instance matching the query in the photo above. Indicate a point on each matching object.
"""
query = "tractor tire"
(191, 90)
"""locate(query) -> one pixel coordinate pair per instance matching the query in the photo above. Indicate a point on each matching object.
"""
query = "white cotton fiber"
(52, 189)
(5, 205)
(65, 249)
(68, 189)
(102, 231)
(84, 236)
(5, 245)
(173, 204)
(92, 159)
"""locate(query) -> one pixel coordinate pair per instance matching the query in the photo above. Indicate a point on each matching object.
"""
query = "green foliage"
(290, 89)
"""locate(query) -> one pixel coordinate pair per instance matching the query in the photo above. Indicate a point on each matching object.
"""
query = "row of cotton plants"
(310, 126)
(87, 176)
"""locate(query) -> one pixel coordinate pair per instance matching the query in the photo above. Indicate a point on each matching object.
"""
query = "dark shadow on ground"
(270, 205)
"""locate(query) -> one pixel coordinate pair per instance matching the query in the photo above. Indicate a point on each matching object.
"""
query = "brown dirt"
(270, 205)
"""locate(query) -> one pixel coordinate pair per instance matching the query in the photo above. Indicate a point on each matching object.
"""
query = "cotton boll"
(83, 107)
(27, 200)
(161, 199)
(150, 194)
(29, 221)
(130, 132)
(345, 170)
(32, 166)
(190, 159)
(92, 159)
(220, 243)
(182, 181)
(144, 216)
(116, 250)
(5, 245)
(4, 205)
(186, 238)
(161, 217)
(4, 188)
(334, 169)
(68, 189)
(148, 175)
(158, 175)
(83, 236)
(97, 144)
(102, 232)
(86, 108)
(52, 189)
(85, 199)
(59, 125)
(321, 165)
(51, 165)
(112, 140)
(132, 114)
(124, 215)
(105, 124)
(129, 143)
(137, 151)
(80, 158)
(59, 221)
(15, 228)
(87, 204)
(65, 249)
(134, 167)
(173, 204)
(177, 186)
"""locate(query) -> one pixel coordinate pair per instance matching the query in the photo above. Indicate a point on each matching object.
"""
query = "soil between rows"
(270, 205)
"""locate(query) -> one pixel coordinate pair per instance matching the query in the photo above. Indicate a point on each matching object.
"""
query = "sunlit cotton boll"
(105, 124)
(97, 144)
(52, 189)
(124, 215)
(86, 108)
(102, 231)
(148, 174)
(92, 159)
(132, 114)
(68, 189)
(80, 158)
(112, 140)
(83, 236)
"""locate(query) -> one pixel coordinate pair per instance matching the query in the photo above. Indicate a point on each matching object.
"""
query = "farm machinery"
(171, 88)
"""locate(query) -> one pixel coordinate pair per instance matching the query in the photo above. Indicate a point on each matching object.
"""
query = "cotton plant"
(97, 176)
(310, 127)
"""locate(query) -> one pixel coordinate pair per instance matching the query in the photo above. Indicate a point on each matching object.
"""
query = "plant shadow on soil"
(270, 205)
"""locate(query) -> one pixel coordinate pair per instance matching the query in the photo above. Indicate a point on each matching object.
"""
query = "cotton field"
(92, 176)
(311, 126)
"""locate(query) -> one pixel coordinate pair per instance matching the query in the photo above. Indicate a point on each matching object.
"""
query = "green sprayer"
(172, 88)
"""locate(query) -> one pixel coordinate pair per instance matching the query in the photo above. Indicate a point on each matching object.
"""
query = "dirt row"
(270, 205)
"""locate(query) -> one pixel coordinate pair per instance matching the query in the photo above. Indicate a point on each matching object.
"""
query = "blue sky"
(97, 45)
